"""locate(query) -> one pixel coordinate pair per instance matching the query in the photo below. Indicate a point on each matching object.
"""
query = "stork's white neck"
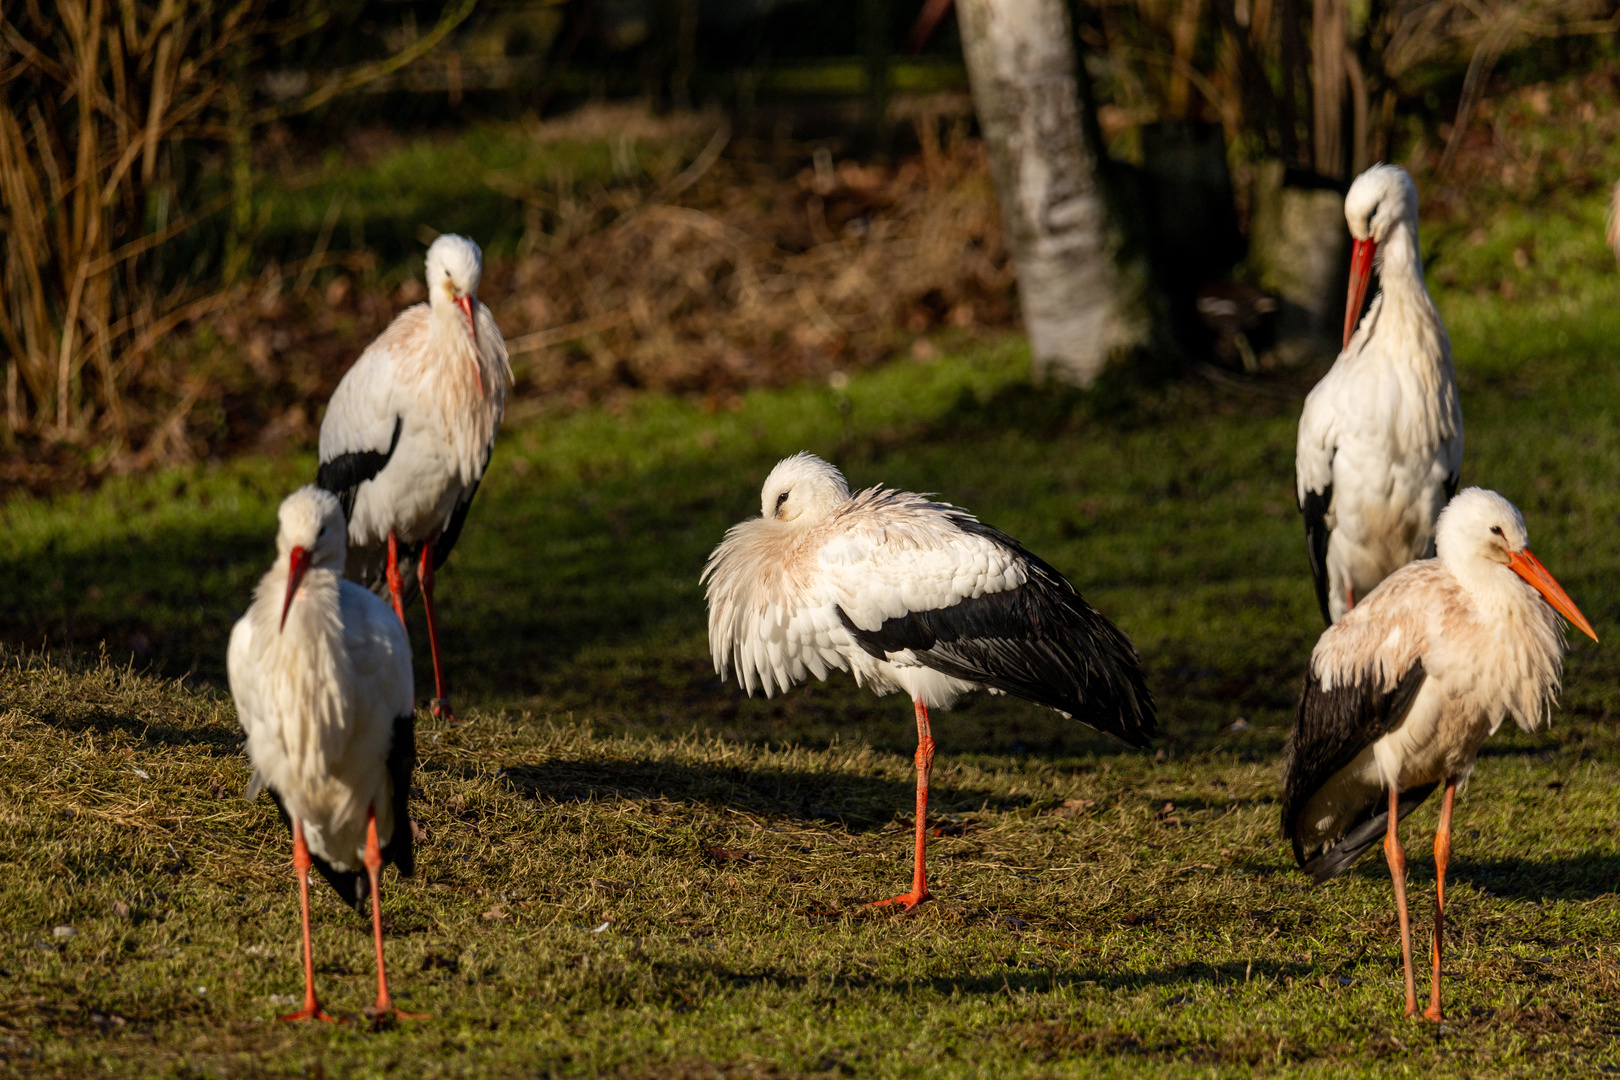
(1400, 269)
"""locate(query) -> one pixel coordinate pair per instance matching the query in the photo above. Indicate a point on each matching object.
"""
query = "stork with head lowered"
(321, 673)
(910, 594)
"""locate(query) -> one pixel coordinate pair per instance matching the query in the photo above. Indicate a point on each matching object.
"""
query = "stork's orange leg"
(384, 1008)
(1397, 872)
(301, 863)
(925, 766)
(1442, 856)
(424, 574)
(396, 583)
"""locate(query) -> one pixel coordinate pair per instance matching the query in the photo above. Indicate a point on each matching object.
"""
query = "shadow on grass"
(220, 741)
(1570, 877)
(1006, 981)
(859, 803)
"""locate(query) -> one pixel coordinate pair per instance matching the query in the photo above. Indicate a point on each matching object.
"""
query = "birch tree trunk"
(1082, 305)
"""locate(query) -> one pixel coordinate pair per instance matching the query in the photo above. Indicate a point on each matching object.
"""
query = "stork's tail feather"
(1332, 861)
(352, 885)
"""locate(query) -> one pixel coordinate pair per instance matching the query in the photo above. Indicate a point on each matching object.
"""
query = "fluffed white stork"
(408, 434)
(321, 672)
(914, 595)
(1402, 691)
(1381, 438)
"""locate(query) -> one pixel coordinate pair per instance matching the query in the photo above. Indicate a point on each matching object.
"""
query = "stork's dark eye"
(1497, 529)
(780, 499)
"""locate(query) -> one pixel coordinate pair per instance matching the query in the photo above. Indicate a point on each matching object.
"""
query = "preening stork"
(409, 431)
(1405, 688)
(1381, 438)
(321, 673)
(914, 595)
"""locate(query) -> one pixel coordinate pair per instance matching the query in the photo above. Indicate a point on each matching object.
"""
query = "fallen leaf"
(496, 914)
(730, 855)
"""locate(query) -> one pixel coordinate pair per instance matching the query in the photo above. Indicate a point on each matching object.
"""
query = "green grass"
(1101, 913)
(466, 182)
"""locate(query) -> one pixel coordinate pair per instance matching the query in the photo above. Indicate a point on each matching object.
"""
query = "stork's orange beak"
(1361, 265)
(1529, 567)
(297, 565)
(465, 303)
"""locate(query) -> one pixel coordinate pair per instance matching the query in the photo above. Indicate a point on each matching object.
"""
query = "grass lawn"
(631, 869)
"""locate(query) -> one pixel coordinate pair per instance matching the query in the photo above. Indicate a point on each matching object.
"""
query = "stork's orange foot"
(385, 1014)
(908, 900)
(442, 710)
(311, 1011)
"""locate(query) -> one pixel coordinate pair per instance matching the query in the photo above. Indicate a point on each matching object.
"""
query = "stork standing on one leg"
(1402, 692)
(409, 431)
(321, 673)
(909, 594)
(1381, 438)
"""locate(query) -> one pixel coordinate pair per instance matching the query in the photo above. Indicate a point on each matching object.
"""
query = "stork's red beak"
(1529, 567)
(297, 564)
(1361, 266)
(465, 303)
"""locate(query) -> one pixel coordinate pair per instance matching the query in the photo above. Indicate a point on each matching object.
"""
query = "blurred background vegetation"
(208, 207)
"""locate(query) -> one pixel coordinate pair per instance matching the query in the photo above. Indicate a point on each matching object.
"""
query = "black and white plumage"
(915, 595)
(1402, 692)
(409, 431)
(1381, 438)
(320, 670)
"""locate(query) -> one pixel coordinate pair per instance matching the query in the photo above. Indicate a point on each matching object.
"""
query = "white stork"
(1405, 688)
(1381, 437)
(409, 431)
(321, 673)
(909, 594)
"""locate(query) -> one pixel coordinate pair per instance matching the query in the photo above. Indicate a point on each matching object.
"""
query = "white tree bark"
(1081, 306)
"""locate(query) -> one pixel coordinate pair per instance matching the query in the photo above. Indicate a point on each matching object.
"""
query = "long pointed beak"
(297, 565)
(1361, 265)
(465, 303)
(1529, 567)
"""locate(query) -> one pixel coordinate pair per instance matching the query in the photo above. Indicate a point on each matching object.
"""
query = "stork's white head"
(1381, 198)
(454, 266)
(313, 534)
(802, 489)
(1480, 536)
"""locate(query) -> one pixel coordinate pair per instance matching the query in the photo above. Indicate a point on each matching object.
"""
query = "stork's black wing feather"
(401, 849)
(1331, 728)
(1451, 486)
(1314, 510)
(1040, 641)
(458, 517)
(1367, 830)
(344, 474)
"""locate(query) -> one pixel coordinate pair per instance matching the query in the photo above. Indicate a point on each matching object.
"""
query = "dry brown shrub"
(744, 279)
